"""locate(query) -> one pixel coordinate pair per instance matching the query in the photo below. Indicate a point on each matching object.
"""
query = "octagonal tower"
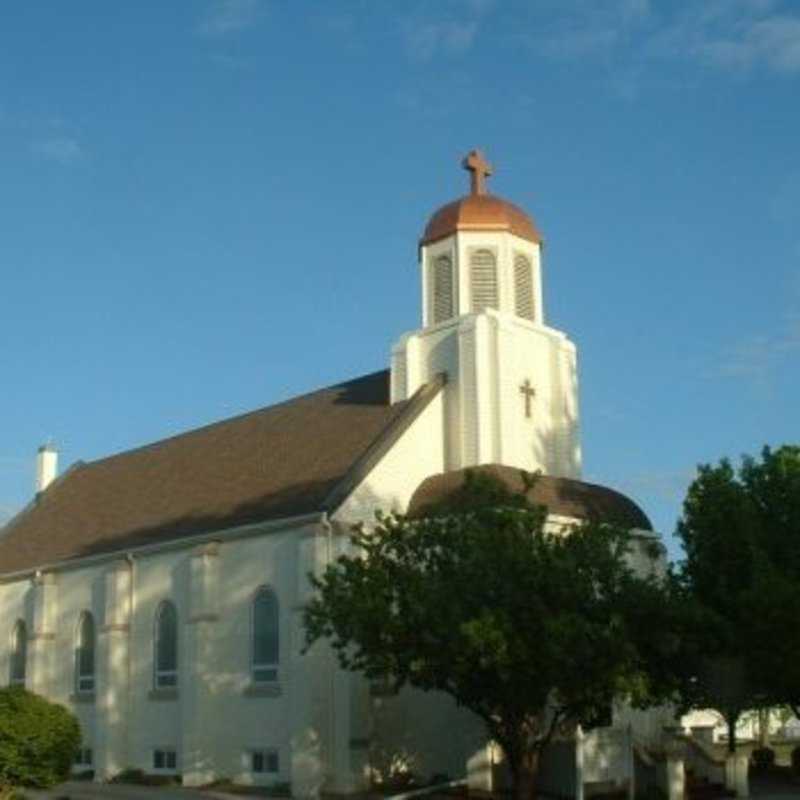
(512, 391)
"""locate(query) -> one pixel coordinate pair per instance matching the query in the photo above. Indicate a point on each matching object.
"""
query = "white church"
(158, 592)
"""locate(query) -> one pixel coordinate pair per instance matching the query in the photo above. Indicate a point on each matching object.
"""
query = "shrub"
(763, 758)
(130, 775)
(138, 777)
(796, 759)
(38, 740)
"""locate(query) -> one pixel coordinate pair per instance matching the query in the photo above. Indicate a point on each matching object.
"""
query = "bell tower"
(512, 388)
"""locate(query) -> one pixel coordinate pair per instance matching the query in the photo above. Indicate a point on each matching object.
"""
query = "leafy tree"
(38, 740)
(532, 631)
(741, 533)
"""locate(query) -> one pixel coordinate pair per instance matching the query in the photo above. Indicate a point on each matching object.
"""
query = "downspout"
(328, 528)
(129, 667)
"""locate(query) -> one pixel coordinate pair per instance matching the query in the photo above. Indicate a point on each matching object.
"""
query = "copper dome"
(480, 212)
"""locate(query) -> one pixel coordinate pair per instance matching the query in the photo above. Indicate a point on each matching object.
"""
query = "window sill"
(163, 694)
(82, 697)
(263, 690)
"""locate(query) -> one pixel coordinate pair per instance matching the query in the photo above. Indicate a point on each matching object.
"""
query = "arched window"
(265, 636)
(166, 646)
(19, 654)
(523, 286)
(442, 289)
(483, 277)
(84, 654)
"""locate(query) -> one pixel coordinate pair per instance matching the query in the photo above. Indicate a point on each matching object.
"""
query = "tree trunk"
(525, 775)
(731, 720)
(763, 727)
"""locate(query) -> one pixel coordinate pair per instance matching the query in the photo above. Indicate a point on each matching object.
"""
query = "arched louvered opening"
(483, 279)
(166, 646)
(19, 654)
(442, 289)
(84, 654)
(265, 649)
(523, 287)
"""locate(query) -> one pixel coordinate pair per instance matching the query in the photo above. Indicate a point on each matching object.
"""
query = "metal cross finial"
(529, 392)
(479, 169)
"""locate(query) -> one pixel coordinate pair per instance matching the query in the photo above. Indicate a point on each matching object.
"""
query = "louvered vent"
(442, 289)
(523, 287)
(483, 276)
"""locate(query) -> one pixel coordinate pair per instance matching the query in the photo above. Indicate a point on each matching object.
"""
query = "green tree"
(741, 533)
(532, 631)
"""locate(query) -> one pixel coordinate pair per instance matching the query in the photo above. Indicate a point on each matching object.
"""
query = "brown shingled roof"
(284, 460)
(562, 496)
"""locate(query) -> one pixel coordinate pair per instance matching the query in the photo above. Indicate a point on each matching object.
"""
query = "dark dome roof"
(480, 212)
(562, 496)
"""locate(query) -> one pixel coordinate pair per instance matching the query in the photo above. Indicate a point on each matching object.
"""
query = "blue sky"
(210, 206)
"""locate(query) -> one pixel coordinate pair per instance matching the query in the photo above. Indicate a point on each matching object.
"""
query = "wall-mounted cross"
(479, 170)
(529, 393)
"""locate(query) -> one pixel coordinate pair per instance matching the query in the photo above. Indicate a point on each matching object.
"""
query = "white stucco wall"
(487, 358)
(215, 717)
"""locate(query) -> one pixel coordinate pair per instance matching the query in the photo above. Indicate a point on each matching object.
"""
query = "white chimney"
(46, 466)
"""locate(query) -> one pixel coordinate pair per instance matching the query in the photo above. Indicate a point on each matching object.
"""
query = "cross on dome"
(479, 169)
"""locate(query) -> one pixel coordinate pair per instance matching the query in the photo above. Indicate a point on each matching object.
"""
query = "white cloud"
(728, 35)
(777, 40)
(229, 16)
(61, 149)
(426, 39)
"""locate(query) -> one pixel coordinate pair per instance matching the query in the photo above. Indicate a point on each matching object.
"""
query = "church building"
(158, 593)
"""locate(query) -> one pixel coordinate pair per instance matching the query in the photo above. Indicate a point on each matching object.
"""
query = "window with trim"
(523, 287)
(442, 289)
(166, 647)
(165, 759)
(264, 762)
(19, 654)
(84, 654)
(483, 279)
(265, 647)
(84, 757)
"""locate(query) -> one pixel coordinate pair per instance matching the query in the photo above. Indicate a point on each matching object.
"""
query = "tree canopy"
(741, 532)
(534, 631)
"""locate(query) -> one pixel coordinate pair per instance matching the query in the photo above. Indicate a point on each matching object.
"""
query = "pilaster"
(112, 693)
(198, 701)
(42, 637)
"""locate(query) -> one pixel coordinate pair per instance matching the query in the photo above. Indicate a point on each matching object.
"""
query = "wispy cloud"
(450, 32)
(664, 485)
(425, 39)
(757, 358)
(580, 30)
(734, 36)
(225, 17)
(61, 149)
(725, 35)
